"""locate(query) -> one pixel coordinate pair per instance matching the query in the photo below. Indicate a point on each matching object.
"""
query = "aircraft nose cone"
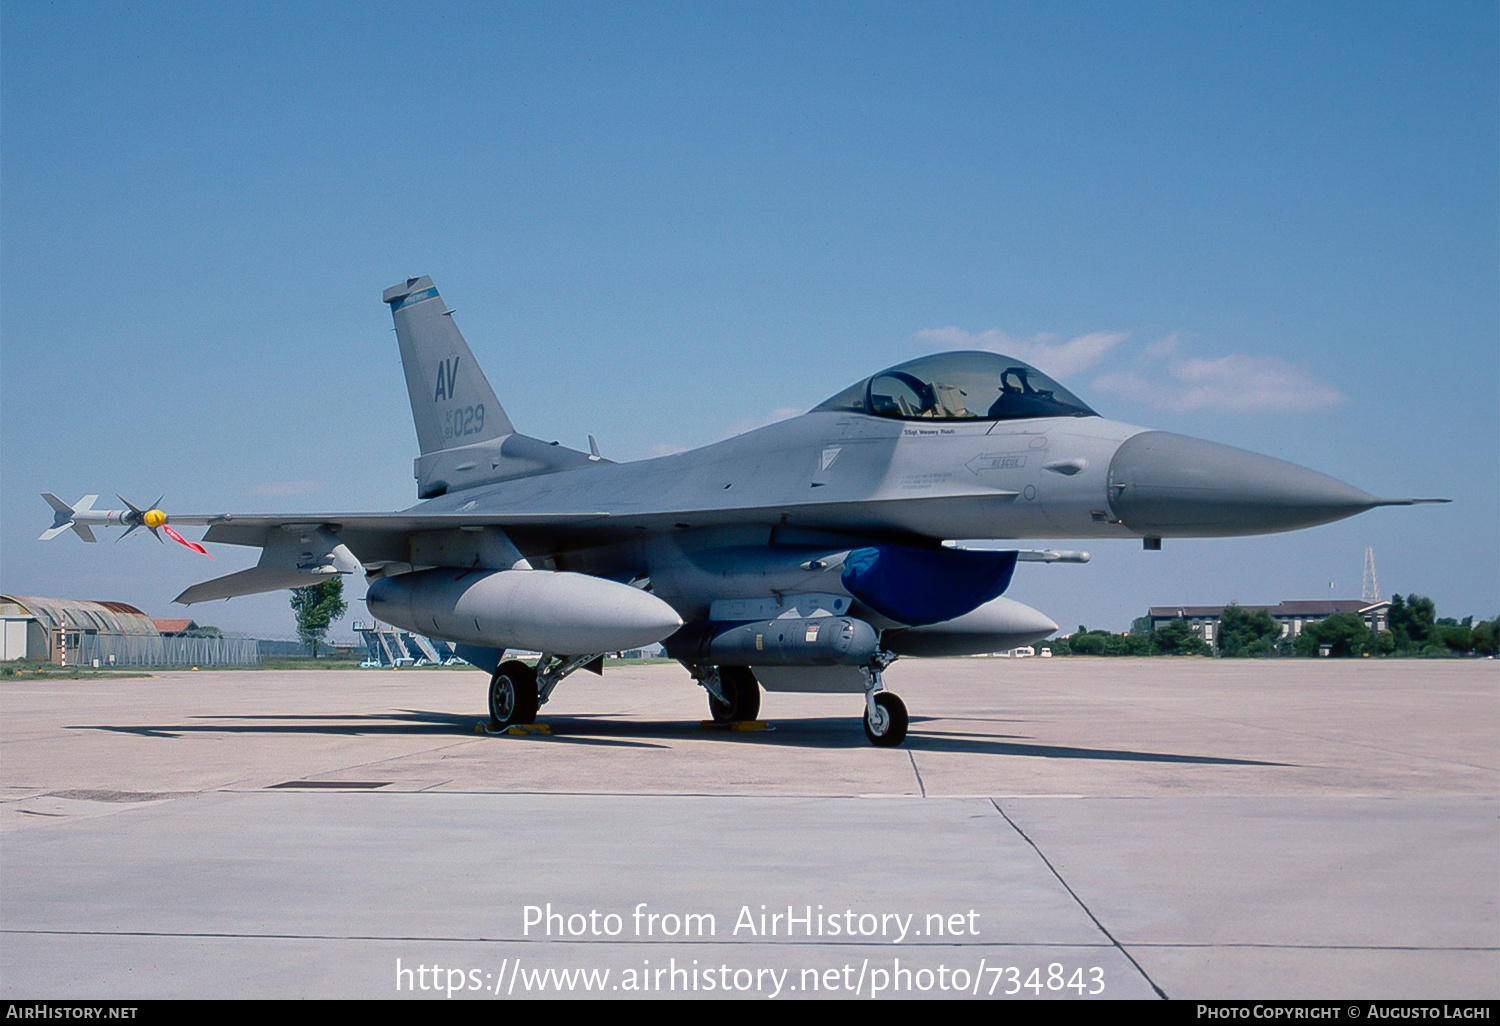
(1167, 484)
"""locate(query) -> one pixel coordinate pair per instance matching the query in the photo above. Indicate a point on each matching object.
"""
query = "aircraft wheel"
(745, 690)
(742, 690)
(513, 697)
(890, 731)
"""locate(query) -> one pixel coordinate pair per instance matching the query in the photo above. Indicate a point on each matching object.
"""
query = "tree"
(1087, 644)
(1486, 633)
(1412, 622)
(1345, 634)
(1244, 633)
(316, 607)
(1127, 645)
(1178, 638)
(1457, 637)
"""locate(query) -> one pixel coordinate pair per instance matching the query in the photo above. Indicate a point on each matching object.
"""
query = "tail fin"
(465, 437)
(59, 506)
(62, 517)
(451, 400)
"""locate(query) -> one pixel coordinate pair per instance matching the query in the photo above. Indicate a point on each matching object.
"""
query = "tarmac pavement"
(1057, 828)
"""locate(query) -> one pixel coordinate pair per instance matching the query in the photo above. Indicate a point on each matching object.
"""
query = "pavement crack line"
(1087, 911)
(920, 786)
(371, 764)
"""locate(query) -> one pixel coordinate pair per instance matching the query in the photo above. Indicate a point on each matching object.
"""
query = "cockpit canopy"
(960, 386)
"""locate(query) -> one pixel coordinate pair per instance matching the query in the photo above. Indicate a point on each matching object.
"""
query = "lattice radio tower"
(1371, 589)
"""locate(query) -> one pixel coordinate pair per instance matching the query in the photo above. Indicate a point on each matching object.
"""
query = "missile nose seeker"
(543, 610)
(1166, 484)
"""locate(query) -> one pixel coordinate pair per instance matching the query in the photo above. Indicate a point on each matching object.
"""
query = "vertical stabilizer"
(451, 400)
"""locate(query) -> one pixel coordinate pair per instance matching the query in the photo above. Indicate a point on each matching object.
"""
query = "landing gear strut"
(738, 698)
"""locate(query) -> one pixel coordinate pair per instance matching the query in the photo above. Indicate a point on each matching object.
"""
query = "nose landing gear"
(734, 696)
(885, 714)
(885, 719)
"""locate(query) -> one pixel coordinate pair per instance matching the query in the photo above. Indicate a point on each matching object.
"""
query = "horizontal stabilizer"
(251, 582)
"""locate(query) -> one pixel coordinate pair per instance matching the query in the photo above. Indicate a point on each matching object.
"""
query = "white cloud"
(1162, 375)
(281, 489)
(1230, 384)
(1162, 348)
(1059, 359)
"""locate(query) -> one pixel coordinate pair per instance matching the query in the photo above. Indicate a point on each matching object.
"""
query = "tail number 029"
(467, 420)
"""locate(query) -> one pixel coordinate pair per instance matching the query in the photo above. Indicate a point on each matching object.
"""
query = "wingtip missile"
(81, 517)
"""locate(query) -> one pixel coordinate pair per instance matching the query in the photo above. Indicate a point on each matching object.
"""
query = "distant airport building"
(77, 632)
(181, 627)
(1292, 616)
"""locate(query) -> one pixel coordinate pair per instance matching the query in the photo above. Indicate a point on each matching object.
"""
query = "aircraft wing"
(554, 530)
(254, 528)
(300, 549)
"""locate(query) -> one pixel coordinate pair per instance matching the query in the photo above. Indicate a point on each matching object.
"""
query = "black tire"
(895, 725)
(745, 690)
(513, 698)
(740, 687)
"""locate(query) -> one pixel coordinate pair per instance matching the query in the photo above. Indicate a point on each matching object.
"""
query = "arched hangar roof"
(81, 614)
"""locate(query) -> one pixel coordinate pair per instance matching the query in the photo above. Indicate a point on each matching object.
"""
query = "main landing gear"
(738, 696)
(517, 691)
(513, 695)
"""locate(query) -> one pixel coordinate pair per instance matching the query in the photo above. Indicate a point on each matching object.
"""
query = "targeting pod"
(787, 641)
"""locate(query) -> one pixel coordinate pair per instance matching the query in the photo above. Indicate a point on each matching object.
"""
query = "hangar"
(82, 632)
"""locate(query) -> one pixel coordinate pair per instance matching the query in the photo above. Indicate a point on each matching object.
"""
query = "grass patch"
(31, 669)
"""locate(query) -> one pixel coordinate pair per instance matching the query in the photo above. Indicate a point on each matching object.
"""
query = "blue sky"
(665, 223)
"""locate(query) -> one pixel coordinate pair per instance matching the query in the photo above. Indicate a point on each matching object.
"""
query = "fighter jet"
(803, 556)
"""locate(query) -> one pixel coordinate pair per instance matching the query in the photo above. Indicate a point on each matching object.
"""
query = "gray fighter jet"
(803, 556)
